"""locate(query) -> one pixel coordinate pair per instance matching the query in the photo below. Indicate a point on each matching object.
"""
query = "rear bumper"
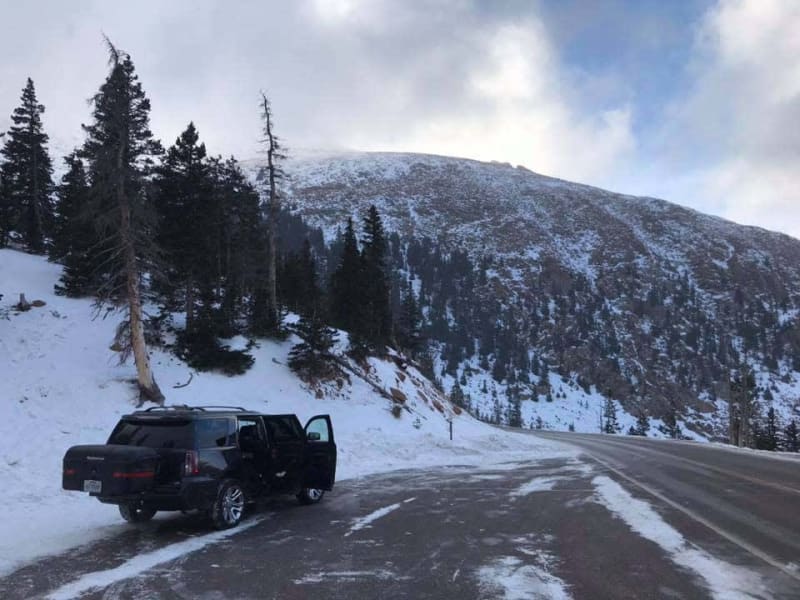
(196, 493)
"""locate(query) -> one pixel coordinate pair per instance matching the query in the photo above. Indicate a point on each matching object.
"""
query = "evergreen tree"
(376, 320)
(120, 152)
(791, 442)
(186, 216)
(610, 424)
(25, 204)
(457, 395)
(514, 409)
(311, 358)
(74, 235)
(766, 436)
(241, 243)
(642, 424)
(409, 335)
(299, 288)
(346, 299)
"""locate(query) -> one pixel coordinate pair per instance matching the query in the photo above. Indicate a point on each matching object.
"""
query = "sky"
(693, 101)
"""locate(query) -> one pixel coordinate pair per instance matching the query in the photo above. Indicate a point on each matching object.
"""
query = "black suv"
(212, 459)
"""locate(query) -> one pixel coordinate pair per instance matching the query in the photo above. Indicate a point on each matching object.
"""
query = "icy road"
(628, 518)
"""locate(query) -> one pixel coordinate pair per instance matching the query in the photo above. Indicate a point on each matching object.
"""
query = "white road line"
(786, 569)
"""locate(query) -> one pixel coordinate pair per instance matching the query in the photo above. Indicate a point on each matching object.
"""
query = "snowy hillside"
(653, 304)
(60, 386)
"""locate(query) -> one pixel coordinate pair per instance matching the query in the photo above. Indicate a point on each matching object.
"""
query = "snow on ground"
(512, 579)
(540, 484)
(367, 520)
(143, 562)
(724, 580)
(60, 386)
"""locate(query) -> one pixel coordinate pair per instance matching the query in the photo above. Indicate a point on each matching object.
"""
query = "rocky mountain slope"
(638, 299)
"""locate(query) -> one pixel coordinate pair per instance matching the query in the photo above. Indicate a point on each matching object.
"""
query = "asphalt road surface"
(626, 518)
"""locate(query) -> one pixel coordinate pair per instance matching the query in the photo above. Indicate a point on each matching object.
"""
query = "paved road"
(750, 499)
(536, 529)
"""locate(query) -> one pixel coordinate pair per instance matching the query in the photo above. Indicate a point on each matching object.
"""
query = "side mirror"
(313, 436)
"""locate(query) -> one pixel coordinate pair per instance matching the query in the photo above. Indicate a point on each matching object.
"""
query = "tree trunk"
(189, 305)
(272, 290)
(148, 388)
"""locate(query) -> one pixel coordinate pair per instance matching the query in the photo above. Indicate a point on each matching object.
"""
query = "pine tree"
(642, 424)
(346, 298)
(311, 358)
(766, 436)
(241, 244)
(610, 424)
(791, 442)
(457, 395)
(120, 152)
(187, 224)
(409, 335)
(74, 235)
(25, 204)
(377, 317)
(299, 288)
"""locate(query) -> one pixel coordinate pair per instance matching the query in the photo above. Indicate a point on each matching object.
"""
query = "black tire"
(136, 514)
(310, 495)
(228, 507)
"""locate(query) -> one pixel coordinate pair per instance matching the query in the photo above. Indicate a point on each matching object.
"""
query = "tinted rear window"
(163, 434)
(215, 433)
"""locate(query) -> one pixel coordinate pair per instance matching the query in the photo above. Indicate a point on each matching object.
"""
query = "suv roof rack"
(183, 407)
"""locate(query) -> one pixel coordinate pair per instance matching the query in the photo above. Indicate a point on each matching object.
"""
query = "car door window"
(249, 434)
(318, 426)
(283, 429)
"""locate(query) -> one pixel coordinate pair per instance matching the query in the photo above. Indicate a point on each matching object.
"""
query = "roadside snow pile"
(723, 579)
(60, 386)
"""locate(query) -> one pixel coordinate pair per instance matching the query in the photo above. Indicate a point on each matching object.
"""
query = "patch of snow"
(511, 579)
(143, 562)
(366, 521)
(540, 484)
(723, 579)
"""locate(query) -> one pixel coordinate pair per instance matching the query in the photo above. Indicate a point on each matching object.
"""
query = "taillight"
(69, 471)
(191, 464)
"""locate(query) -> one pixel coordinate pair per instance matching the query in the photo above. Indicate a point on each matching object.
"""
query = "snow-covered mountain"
(651, 303)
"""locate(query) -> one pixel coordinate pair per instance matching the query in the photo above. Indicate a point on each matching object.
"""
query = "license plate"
(92, 486)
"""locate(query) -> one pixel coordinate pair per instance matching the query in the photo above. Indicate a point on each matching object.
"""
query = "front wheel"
(229, 505)
(310, 495)
(136, 514)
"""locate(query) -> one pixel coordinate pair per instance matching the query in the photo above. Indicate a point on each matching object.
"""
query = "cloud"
(734, 135)
(515, 103)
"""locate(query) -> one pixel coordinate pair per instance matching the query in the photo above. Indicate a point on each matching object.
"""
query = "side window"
(215, 433)
(248, 432)
(319, 426)
(283, 429)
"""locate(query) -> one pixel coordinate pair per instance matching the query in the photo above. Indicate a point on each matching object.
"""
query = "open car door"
(320, 454)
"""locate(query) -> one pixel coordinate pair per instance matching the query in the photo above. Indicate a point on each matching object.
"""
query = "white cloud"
(518, 106)
(740, 117)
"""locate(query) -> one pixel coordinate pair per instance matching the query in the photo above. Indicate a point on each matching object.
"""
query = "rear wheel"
(228, 507)
(310, 495)
(136, 514)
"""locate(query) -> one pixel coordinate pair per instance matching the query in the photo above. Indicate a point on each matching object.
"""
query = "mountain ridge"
(690, 297)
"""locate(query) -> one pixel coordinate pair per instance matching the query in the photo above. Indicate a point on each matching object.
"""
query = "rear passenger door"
(286, 441)
(320, 454)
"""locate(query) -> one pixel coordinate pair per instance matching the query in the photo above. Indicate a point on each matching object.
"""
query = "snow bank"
(724, 580)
